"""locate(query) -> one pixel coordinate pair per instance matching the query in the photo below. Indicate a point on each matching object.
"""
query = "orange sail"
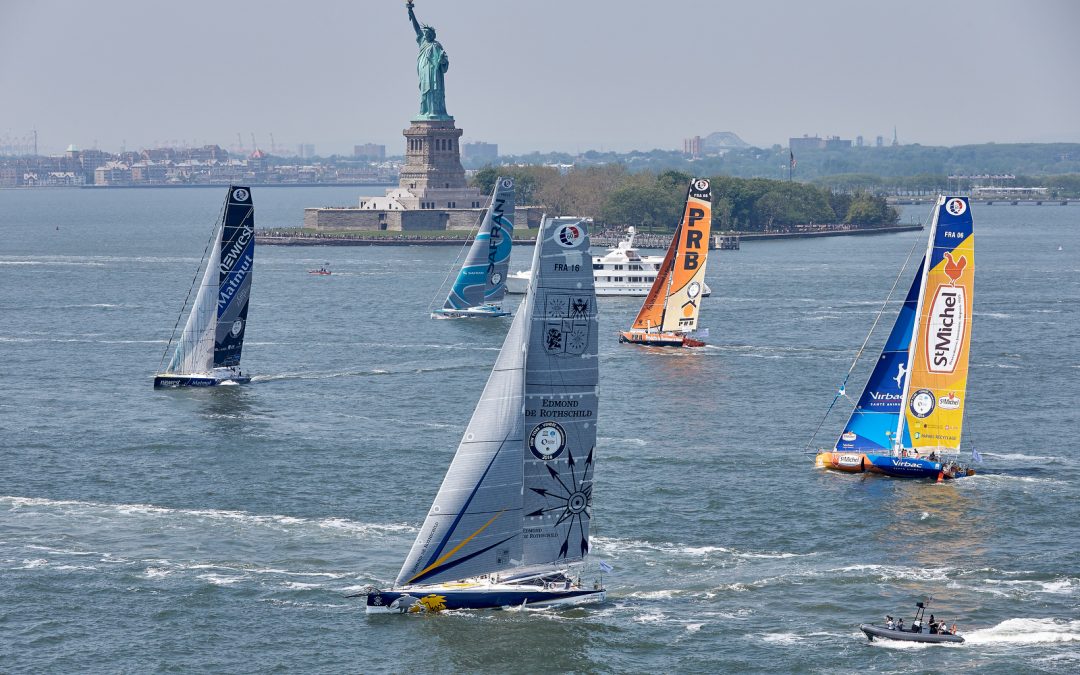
(651, 315)
(674, 299)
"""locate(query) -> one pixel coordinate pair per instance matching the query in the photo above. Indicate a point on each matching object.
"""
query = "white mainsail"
(195, 348)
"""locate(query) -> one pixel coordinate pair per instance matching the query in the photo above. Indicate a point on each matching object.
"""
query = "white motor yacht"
(620, 271)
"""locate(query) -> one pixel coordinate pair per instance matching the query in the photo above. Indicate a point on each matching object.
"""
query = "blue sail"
(482, 278)
(873, 423)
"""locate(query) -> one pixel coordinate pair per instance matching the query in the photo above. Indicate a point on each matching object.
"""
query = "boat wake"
(1027, 631)
(373, 372)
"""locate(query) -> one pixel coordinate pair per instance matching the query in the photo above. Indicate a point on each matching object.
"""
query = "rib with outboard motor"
(934, 633)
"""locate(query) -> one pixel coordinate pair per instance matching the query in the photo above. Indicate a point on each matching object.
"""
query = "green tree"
(528, 180)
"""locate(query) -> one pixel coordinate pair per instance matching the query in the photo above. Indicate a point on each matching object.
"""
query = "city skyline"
(604, 75)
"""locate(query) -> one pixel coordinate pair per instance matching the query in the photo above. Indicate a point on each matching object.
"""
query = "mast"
(898, 442)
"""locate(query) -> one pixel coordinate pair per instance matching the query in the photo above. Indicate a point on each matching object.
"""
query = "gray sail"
(561, 380)
(474, 525)
(482, 278)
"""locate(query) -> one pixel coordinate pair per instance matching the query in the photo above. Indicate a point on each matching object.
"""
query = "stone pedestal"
(433, 174)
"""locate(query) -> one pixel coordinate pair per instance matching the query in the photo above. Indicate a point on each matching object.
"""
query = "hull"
(848, 462)
(873, 631)
(482, 312)
(177, 381)
(897, 467)
(659, 339)
(445, 597)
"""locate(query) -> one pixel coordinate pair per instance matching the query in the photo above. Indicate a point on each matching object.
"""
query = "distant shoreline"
(309, 240)
(887, 229)
(192, 185)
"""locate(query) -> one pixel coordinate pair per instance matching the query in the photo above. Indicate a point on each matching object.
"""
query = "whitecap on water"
(1060, 586)
(781, 638)
(1016, 457)
(220, 579)
(280, 522)
(639, 546)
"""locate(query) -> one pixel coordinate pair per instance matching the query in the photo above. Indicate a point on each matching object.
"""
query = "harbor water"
(221, 530)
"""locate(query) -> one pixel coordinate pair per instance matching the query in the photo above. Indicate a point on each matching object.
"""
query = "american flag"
(792, 161)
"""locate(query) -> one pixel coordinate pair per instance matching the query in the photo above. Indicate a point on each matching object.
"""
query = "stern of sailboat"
(445, 597)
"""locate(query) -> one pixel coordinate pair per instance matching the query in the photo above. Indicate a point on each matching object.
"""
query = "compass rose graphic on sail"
(572, 500)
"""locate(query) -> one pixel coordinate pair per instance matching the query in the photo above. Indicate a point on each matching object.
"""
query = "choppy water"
(219, 531)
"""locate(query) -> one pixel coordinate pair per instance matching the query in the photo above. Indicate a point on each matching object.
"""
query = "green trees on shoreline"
(614, 196)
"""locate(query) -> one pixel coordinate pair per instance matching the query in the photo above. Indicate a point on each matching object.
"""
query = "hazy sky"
(540, 74)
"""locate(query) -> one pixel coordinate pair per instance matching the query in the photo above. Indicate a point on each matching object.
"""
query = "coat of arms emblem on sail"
(567, 325)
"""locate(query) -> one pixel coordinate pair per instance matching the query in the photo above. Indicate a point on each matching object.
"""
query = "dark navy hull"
(873, 631)
(912, 467)
(437, 600)
(176, 381)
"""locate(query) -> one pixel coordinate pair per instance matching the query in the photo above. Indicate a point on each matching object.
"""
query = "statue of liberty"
(431, 64)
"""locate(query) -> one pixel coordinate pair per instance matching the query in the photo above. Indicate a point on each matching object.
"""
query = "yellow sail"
(937, 388)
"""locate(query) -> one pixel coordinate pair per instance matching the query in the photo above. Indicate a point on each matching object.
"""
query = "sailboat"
(907, 421)
(669, 315)
(510, 523)
(208, 351)
(481, 284)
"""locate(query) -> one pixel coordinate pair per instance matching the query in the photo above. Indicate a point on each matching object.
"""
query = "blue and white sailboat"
(208, 350)
(510, 523)
(480, 286)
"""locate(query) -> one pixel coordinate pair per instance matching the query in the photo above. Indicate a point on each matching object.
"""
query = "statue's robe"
(431, 63)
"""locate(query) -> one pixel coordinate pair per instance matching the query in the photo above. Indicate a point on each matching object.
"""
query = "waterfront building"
(479, 153)
(805, 143)
(113, 173)
(815, 142)
(370, 151)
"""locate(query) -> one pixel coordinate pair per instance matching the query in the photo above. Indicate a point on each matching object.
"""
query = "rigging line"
(220, 220)
(842, 391)
(465, 246)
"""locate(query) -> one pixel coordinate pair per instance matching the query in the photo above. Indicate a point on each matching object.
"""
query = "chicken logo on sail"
(954, 269)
